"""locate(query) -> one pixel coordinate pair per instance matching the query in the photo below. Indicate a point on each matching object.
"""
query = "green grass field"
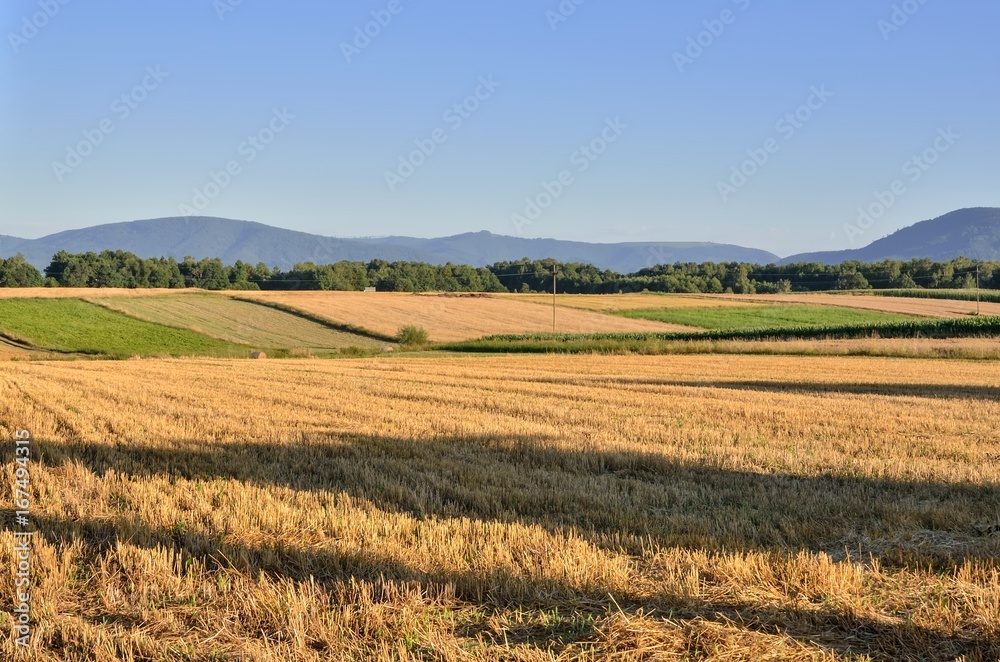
(75, 326)
(763, 316)
(240, 321)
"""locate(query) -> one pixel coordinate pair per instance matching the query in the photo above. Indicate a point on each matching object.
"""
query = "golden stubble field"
(714, 507)
(87, 292)
(610, 303)
(446, 317)
(454, 317)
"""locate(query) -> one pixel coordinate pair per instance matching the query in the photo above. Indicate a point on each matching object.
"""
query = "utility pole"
(977, 290)
(555, 270)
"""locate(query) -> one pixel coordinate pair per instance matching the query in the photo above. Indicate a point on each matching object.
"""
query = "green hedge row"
(988, 296)
(547, 342)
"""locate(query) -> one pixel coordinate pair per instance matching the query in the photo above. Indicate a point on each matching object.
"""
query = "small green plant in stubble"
(412, 336)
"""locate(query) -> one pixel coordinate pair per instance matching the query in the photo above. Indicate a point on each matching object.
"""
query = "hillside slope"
(205, 237)
(973, 233)
(234, 240)
(9, 245)
(484, 248)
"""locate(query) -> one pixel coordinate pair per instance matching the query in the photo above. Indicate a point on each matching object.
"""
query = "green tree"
(852, 280)
(16, 272)
(412, 335)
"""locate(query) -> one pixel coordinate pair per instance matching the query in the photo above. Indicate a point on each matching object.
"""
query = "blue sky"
(115, 111)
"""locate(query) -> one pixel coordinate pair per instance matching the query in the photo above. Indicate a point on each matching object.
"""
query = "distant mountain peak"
(973, 233)
(232, 240)
(8, 245)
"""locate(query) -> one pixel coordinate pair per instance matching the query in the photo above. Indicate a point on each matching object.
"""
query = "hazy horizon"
(446, 118)
(387, 236)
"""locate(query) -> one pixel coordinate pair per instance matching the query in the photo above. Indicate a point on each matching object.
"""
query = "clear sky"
(121, 110)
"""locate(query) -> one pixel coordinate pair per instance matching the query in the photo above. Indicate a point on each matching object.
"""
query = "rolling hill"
(972, 233)
(484, 248)
(254, 242)
(204, 237)
(9, 245)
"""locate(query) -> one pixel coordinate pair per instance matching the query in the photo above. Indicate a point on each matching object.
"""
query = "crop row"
(945, 328)
(989, 296)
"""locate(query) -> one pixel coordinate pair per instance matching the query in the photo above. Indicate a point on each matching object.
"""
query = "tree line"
(742, 278)
(127, 270)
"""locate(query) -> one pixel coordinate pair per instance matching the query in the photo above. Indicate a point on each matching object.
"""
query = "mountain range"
(972, 233)
(254, 242)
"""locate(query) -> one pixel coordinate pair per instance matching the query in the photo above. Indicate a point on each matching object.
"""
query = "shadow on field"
(616, 500)
(936, 391)
(583, 609)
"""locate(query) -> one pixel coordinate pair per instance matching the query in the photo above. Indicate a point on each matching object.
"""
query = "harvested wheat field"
(451, 317)
(236, 321)
(511, 508)
(9, 350)
(612, 303)
(88, 292)
(919, 307)
(979, 349)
